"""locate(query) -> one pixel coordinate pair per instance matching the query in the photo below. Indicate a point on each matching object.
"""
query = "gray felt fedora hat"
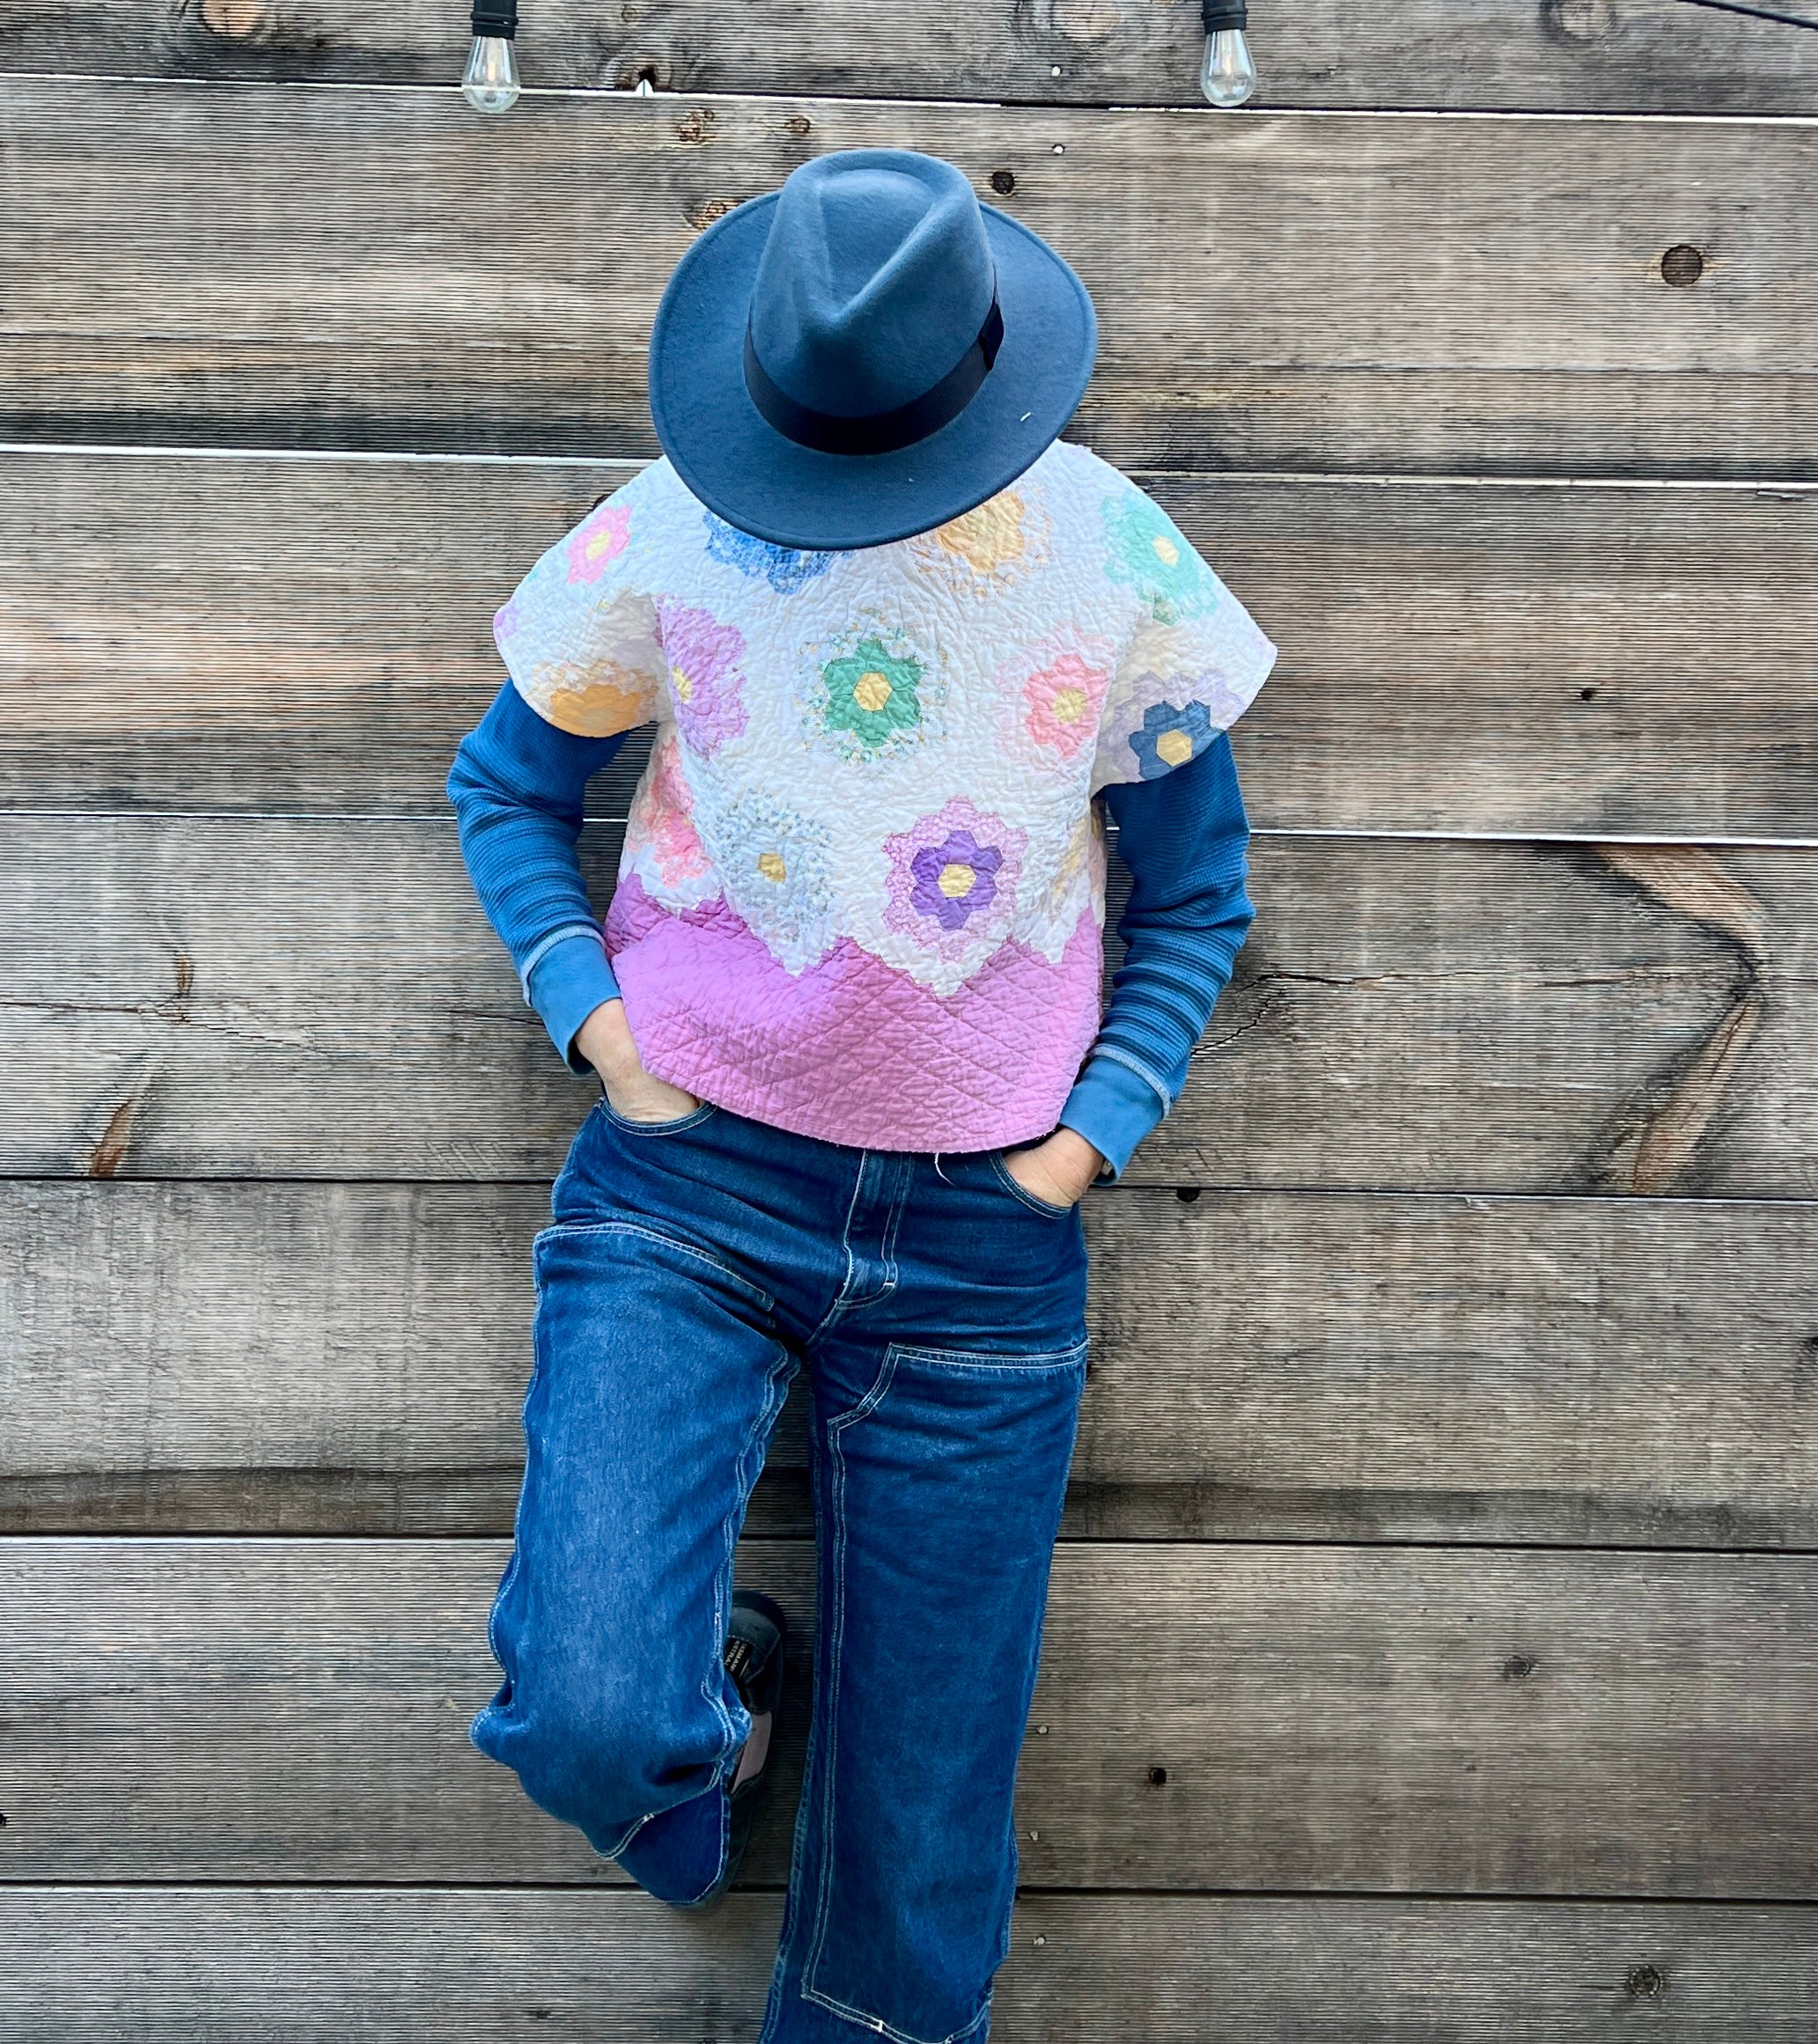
(865, 353)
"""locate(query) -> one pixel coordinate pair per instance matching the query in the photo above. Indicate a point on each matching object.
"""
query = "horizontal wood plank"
(249, 1358)
(376, 267)
(282, 998)
(1647, 56)
(315, 635)
(503, 1965)
(1386, 1719)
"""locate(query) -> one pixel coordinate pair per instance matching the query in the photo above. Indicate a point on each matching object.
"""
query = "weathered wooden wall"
(1431, 1654)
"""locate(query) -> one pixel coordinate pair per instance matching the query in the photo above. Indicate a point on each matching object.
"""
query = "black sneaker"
(756, 1635)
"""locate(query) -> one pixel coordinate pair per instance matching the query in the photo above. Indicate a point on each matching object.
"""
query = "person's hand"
(1058, 1170)
(605, 1040)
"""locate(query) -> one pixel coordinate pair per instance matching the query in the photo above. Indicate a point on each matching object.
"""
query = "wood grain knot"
(797, 124)
(1577, 20)
(1519, 1667)
(696, 126)
(1645, 1983)
(1683, 265)
(106, 1159)
(233, 20)
(707, 212)
(1002, 182)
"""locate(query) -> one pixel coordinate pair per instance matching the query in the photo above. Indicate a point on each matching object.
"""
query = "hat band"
(878, 432)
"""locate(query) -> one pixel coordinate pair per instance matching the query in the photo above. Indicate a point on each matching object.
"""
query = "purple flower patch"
(955, 879)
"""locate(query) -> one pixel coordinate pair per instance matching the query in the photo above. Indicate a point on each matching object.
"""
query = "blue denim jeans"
(693, 1267)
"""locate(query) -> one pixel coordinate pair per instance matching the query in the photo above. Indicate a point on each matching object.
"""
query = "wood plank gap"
(1187, 108)
(612, 818)
(1791, 488)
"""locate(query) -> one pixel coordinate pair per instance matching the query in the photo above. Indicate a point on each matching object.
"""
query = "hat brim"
(755, 478)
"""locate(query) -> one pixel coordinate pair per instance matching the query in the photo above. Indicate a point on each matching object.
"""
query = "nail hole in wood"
(1186, 1193)
(1645, 1983)
(1004, 182)
(1588, 695)
(1158, 1777)
(1683, 265)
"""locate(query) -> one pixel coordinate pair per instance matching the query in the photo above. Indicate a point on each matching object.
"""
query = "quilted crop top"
(862, 890)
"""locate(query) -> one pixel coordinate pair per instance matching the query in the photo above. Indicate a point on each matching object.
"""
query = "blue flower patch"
(1169, 737)
(785, 568)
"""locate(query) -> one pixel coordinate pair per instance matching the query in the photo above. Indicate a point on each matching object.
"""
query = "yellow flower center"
(684, 687)
(771, 867)
(955, 879)
(872, 691)
(1165, 550)
(603, 541)
(1175, 747)
(1068, 705)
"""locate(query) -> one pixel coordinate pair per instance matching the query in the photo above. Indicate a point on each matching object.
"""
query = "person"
(902, 647)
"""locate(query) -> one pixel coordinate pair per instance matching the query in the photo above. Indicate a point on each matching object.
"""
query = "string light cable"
(1227, 72)
(1759, 13)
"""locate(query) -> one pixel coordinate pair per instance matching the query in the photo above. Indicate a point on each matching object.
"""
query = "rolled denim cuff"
(565, 981)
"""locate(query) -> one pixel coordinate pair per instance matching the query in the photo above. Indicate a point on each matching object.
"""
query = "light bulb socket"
(497, 17)
(1217, 14)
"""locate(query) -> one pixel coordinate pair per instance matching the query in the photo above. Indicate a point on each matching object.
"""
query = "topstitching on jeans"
(834, 1593)
(1043, 1359)
(1001, 1172)
(879, 2027)
(560, 1230)
(673, 1125)
(845, 1302)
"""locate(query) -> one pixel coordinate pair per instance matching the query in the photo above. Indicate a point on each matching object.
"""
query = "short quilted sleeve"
(1193, 657)
(579, 636)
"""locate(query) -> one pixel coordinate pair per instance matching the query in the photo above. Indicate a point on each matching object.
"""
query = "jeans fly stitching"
(840, 1302)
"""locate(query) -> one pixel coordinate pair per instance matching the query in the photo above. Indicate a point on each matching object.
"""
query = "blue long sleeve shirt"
(517, 785)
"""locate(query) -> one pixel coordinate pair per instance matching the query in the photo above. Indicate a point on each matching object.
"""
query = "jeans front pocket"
(703, 1111)
(1047, 1208)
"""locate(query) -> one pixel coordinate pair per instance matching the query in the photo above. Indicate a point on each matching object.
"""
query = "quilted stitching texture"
(862, 890)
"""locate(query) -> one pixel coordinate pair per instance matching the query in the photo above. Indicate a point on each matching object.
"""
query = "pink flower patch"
(1061, 703)
(597, 542)
(506, 620)
(664, 818)
(706, 683)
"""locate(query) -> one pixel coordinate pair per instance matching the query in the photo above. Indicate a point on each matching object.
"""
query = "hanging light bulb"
(489, 83)
(1227, 72)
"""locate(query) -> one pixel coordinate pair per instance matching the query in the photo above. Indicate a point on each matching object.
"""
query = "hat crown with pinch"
(875, 279)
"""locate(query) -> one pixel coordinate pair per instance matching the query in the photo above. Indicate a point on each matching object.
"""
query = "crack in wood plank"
(1662, 1125)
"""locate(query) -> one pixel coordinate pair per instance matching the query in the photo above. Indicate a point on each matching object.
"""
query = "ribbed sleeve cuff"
(1113, 1106)
(565, 984)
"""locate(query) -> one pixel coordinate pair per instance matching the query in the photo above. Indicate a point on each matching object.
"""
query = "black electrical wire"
(1759, 13)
